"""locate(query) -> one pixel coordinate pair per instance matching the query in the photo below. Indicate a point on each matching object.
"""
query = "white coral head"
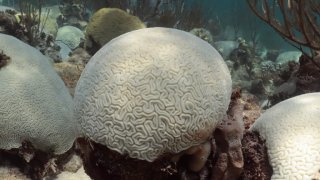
(153, 91)
(35, 105)
(292, 132)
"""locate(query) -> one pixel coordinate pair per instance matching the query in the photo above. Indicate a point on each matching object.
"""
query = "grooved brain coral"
(34, 103)
(292, 133)
(153, 91)
(70, 36)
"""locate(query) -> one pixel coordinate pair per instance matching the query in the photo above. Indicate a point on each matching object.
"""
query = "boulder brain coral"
(35, 104)
(292, 133)
(70, 36)
(108, 23)
(153, 91)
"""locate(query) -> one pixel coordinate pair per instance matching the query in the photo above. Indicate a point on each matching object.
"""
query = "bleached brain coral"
(153, 91)
(70, 36)
(292, 133)
(35, 105)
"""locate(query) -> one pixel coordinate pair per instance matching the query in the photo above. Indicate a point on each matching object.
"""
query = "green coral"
(108, 23)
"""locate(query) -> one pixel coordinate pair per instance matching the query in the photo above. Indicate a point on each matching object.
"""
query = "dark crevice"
(4, 59)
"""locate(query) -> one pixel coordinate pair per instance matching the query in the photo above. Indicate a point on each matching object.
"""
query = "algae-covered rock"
(108, 23)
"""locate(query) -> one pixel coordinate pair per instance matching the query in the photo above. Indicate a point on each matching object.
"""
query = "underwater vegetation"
(299, 23)
(159, 89)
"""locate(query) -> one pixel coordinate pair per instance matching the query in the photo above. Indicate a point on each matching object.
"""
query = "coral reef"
(154, 103)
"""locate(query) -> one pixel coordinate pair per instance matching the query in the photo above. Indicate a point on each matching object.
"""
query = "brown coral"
(109, 23)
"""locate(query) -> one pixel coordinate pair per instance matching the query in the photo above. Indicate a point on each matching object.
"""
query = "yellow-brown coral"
(108, 23)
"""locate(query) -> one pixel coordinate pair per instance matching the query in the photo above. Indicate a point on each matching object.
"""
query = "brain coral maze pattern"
(143, 106)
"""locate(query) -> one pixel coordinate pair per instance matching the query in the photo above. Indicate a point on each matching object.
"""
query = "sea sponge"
(291, 129)
(108, 23)
(35, 104)
(153, 91)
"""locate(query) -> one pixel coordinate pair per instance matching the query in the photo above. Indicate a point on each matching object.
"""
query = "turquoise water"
(232, 16)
